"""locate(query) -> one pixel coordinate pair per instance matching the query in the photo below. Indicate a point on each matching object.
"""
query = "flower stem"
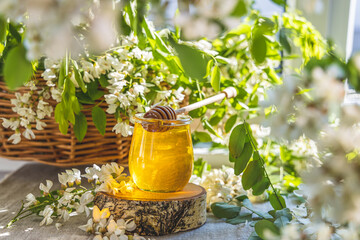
(41, 205)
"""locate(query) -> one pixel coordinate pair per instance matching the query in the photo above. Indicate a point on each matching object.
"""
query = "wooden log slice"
(158, 214)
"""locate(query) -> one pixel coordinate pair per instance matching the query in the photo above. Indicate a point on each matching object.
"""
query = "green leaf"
(197, 113)
(247, 204)
(14, 32)
(78, 77)
(242, 161)
(272, 213)
(241, 29)
(3, 29)
(17, 69)
(59, 117)
(241, 198)
(264, 26)
(208, 67)
(84, 98)
(225, 210)
(272, 76)
(208, 127)
(260, 186)
(284, 41)
(70, 116)
(92, 87)
(237, 140)
(58, 112)
(148, 32)
(192, 60)
(124, 28)
(285, 212)
(93, 90)
(98, 94)
(281, 3)
(161, 44)
(258, 48)
(217, 116)
(263, 225)
(62, 73)
(80, 127)
(2, 47)
(104, 82)
(171, 61)
(242, 218)
(200, 166)
(241, 8)
(76, 106)
(215, 78)
(230, 123)
(252, 174)
(275, 202)
(69, 100)
(99, 119)
(203, 136)
(281, 222)
(254, 236)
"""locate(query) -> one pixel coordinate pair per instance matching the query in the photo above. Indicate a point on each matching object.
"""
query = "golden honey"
(161, 154)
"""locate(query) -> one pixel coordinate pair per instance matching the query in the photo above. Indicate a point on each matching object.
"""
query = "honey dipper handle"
(229, 92)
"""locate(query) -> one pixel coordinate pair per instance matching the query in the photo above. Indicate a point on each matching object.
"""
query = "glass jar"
(161, 154)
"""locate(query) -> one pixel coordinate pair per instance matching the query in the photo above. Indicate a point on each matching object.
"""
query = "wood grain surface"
(159, 213)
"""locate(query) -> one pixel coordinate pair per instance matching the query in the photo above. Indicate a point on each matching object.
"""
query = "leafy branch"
(272, 220)
(45, 200)
(251, 138)
(244, 153)
(243, 147)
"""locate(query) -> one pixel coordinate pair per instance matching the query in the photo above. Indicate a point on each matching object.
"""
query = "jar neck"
(180, 121)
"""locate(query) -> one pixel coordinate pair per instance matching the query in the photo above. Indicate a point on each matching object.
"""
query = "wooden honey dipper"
(168, 113)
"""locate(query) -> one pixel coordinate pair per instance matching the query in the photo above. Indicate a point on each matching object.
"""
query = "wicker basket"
(53, 148)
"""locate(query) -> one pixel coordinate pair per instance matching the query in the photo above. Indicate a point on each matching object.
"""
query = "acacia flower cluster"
(130, 74)
(73, 198)
(314, 106)
(104, 227)
(31, 108)
(304, 106)
(221, 185)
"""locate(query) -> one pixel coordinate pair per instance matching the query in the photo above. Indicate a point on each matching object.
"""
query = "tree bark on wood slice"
(158, 214)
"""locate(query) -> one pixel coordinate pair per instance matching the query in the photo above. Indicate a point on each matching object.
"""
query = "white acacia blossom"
(304, 107)
(221, 185)
(30, 111)
(33, 110)
(130, 75)
(46, 189)
(314, 107)
(103, 225)
(73, 199)
(47, 213)
(31, 200)
(51, 26)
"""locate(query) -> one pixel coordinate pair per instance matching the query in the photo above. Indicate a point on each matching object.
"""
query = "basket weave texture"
(52, 147)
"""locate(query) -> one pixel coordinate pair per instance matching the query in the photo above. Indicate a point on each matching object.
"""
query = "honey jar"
(161, 154)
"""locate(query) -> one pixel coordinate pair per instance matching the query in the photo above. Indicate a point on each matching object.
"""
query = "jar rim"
(180, 121)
